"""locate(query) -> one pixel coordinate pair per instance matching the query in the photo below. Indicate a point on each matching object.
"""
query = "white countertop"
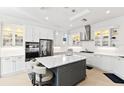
(12, 51)
(110, 54)
(104, 54)
(59, 60)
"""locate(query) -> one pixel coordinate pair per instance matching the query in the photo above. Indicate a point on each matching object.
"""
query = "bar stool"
(32, 63)
(42, 76)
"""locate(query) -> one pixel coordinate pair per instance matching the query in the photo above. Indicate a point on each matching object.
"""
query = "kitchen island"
(68, 70)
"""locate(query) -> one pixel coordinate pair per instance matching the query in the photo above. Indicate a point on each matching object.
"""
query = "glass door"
(19, 36)
(7, 36)
(98, 38)
(105, 37)
(113, 37)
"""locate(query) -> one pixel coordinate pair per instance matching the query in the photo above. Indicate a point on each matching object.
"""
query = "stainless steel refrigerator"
(45, 47)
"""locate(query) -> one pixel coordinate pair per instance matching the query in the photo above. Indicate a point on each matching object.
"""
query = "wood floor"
(94, 77)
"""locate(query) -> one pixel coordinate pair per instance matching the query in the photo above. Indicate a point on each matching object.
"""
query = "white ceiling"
(59, 17)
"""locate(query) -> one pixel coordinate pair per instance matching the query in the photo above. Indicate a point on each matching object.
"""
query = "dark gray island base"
(69, 74)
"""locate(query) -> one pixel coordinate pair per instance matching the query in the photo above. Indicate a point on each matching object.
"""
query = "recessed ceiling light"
(108, 12)
(46, 18)
(57, 33)
(78, 15)
(70, 25)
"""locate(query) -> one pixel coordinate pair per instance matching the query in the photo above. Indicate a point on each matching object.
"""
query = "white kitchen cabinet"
(20, 63)
(119, 67)
(11, 65)
(89, 58)
(92, 60)
(12, 35)
(106, 63)
(109, 63)
(103, 62)
(32, 34)
(35, 35)
(50, 34)
(97, 61)
(43, 34)
(28, 34)
(6, 65)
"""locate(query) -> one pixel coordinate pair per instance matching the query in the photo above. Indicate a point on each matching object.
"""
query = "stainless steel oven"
(32, 50)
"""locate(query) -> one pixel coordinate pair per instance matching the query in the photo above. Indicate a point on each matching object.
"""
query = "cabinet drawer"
(20, 63)
(6, 67)
(6, 59)
(20, 58)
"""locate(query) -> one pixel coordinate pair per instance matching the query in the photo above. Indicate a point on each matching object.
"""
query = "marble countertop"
(110, 54)
(59, 60)
(104, 54)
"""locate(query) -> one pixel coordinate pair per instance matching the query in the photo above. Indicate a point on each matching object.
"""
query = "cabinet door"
(19, 35)
(119, 67)
(96, 61)
(20, 63)
(7, 35)
(28, 34)
(107, 63)
(43, 34)
(104, 63)
(49, 34)
(6, 65)
(90, 59)
(35, 34)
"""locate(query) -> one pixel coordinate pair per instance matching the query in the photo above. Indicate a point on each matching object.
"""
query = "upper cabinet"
(28, 34)
(98, 38)
(114, 37)
(7, 35)
(19, 36)
(76, 39)
(33, 34)
(106, 37)
(12, 35)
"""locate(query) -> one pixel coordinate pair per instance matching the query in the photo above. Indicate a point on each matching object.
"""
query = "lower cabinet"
(6, 65)
(103, 62)
(20, 63)
(11, 65)
(89, 57)
(119, 67)
(106, 63)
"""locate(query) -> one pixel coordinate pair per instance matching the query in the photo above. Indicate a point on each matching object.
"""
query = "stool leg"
(33, 79)
(40, 75)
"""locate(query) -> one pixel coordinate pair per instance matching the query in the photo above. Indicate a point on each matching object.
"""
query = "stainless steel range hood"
(86, 33)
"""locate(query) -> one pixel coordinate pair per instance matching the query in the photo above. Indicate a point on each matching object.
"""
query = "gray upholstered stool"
(32, 63)
(42, 76)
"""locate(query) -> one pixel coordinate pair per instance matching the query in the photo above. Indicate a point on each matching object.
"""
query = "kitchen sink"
(87, 51)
